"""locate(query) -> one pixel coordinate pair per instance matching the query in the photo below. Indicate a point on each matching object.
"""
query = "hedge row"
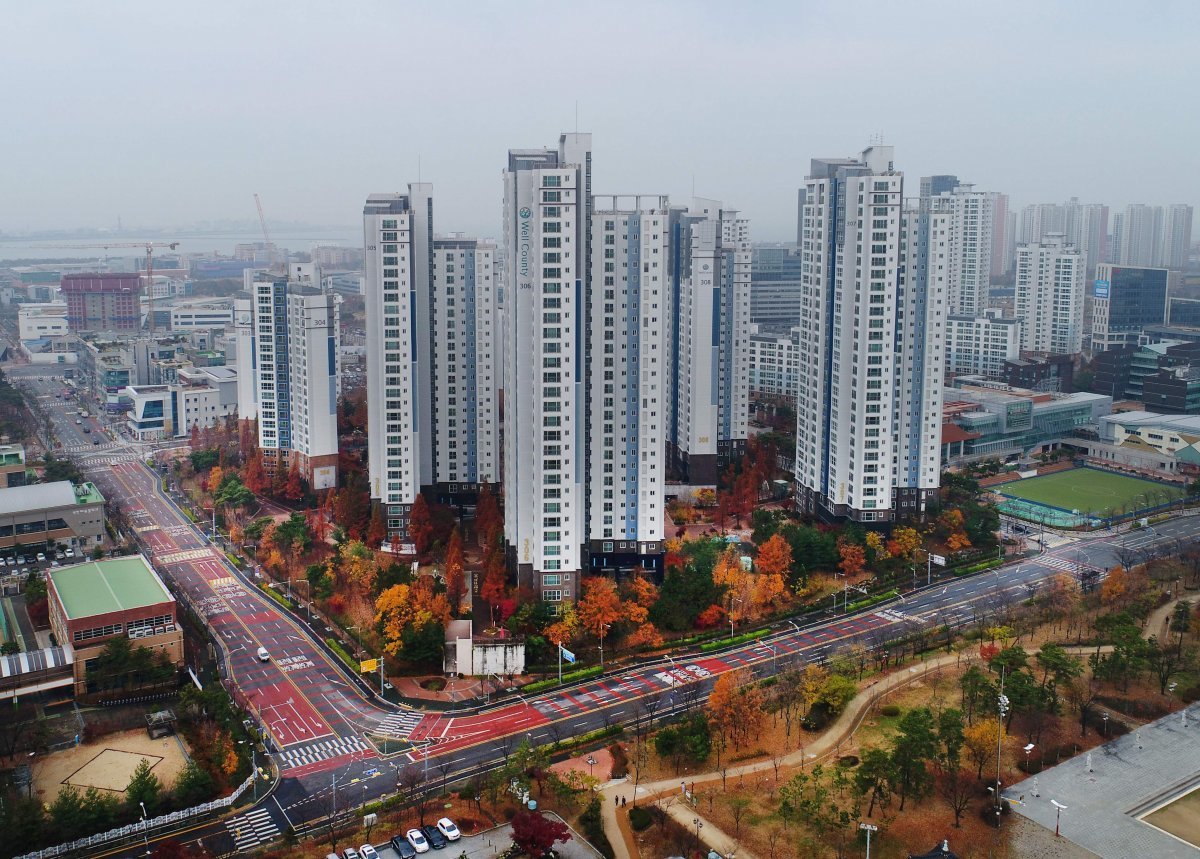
(337, 648)
(550, 683)
(731, 642)
(872, 600)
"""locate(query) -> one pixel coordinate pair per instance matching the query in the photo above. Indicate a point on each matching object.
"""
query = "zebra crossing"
(97, 462)
(322, 750)
(252, 829)
(399, 725)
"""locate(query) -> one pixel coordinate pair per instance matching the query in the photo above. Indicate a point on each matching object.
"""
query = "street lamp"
(699, 824)
(1059, 808)
(868, 828)
(591, 762)
(1104, 718)
(603, 629)
(145, 830)
(732, 600)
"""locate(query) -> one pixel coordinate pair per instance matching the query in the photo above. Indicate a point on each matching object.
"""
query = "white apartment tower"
(1050, 296)
(1176, 242)
(971, 224)
(397, 242)
(979, 345)
(466, 377)
(710, 366)
(547, 229)
(288, 340)
(874, 309)
(628, 362)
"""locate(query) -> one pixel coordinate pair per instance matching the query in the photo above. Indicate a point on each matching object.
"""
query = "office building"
(41, 514)
(287, 346)
(398, 236)
(1050, 296)
(547, 248)
(710, 340)
(774, 285)
(466, 376)
(628, 399)
(102, 302)
(1041, 373)
(201, 313)
(39, 321)
(980, 345)
(869, 402)
(1125, 299)
(93, 603)
(170, 411)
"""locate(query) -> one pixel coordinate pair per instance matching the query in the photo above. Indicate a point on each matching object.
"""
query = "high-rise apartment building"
(547, 236)
(971, 218)
(869, 402)
(466, 375)
(1002, 220)
(288, 340)
(1137, 235)
(979, 345)
(1087, 231)
(1050, 296)
(1125, 299)
(398, 255)
(1039, 220)
(1175, 244)
(710, 336)
(627, 382)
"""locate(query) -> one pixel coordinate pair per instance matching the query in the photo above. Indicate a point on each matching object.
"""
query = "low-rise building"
(58, 512)
(980, 345)
(206, 313)
(12, 465)
(1040, 372)
(996, 420)
(170, 411)
(92, 603)
(40, 321)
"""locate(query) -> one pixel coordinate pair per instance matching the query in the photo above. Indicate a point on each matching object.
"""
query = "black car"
(403, 849)
(434, 836)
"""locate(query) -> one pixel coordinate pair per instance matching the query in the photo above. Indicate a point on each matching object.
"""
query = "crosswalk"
(322, 750)
(399, 725)
(252, 829)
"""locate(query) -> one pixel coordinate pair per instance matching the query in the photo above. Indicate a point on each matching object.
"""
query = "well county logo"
(525, 212)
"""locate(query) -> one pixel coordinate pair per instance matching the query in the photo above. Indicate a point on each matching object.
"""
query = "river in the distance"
(189, 243)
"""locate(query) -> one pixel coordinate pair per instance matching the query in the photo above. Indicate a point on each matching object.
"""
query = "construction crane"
(149, 246)
(270, 248)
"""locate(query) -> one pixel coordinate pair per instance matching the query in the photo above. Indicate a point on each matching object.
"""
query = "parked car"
(70, 553)
(350, 853)
(417, 839)
(446, 827)
(403, 849)
(436, 840)
(41, 556)
(368, 851)
(20, 559)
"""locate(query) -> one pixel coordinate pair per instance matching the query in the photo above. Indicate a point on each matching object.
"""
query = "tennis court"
(1090, 491)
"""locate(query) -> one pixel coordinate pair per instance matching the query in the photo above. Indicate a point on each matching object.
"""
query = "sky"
(167, 114)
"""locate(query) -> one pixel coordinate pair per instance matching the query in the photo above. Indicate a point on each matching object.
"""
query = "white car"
(349, 853)
(368, 851)
(417, 839)
(263, 655)
(446, 827)
(41, 556)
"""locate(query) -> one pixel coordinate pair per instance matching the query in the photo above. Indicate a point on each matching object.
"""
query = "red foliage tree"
(293, 488)
(377, 530)
(254, 476)
(710, 617)
(194, 438)
(455, 571)
(420, 525)
(487, 517)
(535, 834)
(494, 587)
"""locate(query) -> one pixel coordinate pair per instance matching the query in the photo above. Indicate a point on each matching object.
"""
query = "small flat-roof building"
(94, 602)
(58, 512)
(12, 465)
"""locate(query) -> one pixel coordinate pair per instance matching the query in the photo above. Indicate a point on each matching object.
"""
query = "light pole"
(253, 765)
(699, 824)
(1059, 808)
(1001, 712)
(591, 762)
(145, 830)
(732, 600)
(774, 654)
(603, 629)
(1104, 718)
(868, 828)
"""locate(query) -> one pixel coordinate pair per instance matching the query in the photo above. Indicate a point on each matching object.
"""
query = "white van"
(263, 656)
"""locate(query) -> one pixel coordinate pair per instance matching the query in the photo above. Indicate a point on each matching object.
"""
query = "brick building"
(102, 302)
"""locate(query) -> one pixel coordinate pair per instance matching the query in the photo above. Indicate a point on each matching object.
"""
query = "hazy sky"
(171, 113)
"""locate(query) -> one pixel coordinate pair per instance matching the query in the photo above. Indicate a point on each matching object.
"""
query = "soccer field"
(1090, 490)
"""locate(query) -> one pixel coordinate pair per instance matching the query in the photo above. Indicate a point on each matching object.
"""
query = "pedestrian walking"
(616, 800)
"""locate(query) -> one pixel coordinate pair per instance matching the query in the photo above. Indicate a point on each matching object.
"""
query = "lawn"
(1090, 490)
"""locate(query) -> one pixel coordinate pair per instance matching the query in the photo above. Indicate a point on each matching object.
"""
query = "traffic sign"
(566, 654)
(368, 665)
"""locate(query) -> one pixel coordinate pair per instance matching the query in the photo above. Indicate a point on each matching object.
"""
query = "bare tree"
(444, 767)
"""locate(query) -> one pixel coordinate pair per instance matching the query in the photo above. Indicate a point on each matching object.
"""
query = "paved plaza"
(1106, 792)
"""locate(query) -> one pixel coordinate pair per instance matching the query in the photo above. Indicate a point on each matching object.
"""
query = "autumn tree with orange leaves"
(853, 558)
(455, 571)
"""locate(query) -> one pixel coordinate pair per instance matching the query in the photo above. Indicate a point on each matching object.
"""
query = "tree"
(853, 558)
(394, 609)
(494, 587)
(1181, 619)
(599, 607)
(144, 788)
(535, 834)
(904, 542)
(736, 707)
(774, 563)
(914, 745)
(420, 525)
(455, 573)
(293, 487)
(377, 530)
(980, 741)
(875, 775)
(192, 786)
(254, 474)
(564, 629)
(728, 573)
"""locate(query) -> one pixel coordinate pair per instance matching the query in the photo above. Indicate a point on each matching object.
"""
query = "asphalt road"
(317, 717)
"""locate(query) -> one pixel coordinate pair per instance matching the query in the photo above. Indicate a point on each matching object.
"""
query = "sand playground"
(107, 764)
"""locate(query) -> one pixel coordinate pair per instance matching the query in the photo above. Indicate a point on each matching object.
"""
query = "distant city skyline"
(164, 116)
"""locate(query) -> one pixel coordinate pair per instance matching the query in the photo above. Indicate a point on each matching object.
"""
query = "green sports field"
(1090, 490)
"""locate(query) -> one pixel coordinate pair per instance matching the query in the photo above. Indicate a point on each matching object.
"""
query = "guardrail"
(142, 827)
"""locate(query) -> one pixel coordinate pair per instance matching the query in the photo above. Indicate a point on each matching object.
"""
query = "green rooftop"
(87, 493)
(101, 587)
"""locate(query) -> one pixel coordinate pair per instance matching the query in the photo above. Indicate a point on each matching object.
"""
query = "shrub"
(889, 710)
(593, 828)
(620, 764)
(639, 818)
